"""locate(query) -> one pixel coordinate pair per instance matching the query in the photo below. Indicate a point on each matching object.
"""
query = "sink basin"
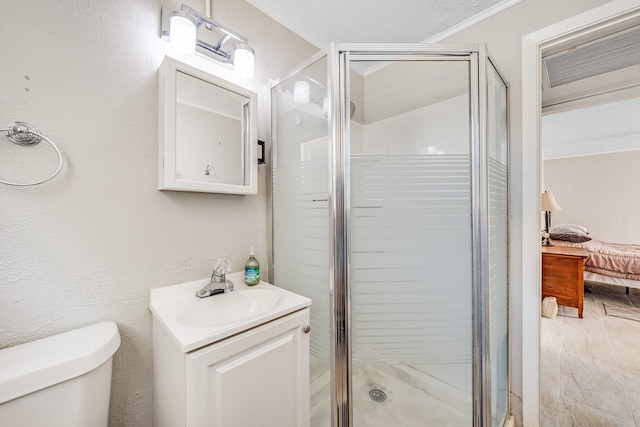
(229, 308)
(192, 322)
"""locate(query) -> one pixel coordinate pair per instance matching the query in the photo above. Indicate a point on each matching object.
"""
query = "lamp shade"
(549, 203)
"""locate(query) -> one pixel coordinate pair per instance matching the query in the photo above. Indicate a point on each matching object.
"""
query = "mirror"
(208, 140)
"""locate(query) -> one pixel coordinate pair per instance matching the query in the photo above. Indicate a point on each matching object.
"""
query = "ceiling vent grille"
(611, 53)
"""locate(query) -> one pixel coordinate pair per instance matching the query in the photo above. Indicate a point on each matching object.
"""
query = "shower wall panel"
(301, 235)
(300, 198)
(497, 150)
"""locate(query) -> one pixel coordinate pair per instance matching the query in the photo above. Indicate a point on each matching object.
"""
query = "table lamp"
(548, 205)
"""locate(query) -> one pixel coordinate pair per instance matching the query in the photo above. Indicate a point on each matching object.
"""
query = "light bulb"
(301, 92)
(243, 60)
(182, 31)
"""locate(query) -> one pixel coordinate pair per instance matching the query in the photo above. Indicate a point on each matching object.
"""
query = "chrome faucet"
(219, 283)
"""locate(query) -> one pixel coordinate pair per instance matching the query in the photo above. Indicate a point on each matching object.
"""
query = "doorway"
(602, 19)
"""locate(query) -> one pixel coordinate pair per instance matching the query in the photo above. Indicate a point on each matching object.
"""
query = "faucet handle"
(221, 267)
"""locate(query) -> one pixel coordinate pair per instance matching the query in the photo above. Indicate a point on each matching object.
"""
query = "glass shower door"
(411, 242)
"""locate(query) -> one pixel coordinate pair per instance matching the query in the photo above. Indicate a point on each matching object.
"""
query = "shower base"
(413, 398)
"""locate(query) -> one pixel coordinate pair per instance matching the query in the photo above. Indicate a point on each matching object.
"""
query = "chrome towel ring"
(24, 134)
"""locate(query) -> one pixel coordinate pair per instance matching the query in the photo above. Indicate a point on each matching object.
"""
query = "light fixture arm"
(212, 24)
(222, 41)
(213, 51)
(223, 55)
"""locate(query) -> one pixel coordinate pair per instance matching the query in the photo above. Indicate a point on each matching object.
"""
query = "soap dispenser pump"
(252, 269)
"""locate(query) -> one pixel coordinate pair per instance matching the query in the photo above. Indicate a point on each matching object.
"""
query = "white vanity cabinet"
(245, 376)
(257, 378)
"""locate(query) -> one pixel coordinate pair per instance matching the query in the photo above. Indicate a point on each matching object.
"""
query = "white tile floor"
(590, 367)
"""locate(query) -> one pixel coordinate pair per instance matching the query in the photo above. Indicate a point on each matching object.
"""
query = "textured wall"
(88, 245)
(599, 192)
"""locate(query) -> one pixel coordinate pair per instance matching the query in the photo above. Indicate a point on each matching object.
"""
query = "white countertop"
(168, 302)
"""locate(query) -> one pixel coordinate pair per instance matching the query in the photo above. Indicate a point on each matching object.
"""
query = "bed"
(611, 263)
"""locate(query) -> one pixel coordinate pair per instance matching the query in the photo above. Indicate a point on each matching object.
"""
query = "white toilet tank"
(59, 381)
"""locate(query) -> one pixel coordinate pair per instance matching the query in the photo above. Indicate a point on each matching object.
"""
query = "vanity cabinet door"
(256, 378)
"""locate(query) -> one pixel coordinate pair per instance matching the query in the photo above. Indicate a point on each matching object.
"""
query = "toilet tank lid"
(35, 365)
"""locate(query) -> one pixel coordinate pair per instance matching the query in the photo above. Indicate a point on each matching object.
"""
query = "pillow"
(577, 227)
(570, 237)
(568, 228)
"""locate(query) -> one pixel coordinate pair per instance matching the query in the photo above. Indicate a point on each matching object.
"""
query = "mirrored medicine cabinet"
(207, 135)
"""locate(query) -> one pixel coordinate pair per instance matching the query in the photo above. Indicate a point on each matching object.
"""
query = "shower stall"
(390, 167)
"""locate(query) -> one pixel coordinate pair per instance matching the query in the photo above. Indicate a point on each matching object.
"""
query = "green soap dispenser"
(252, 270)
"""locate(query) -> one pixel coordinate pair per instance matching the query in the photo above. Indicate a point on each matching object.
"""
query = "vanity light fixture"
(181, 29)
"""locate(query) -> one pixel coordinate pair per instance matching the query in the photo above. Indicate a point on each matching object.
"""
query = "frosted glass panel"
(410, 259)
(410, 242)
(301, 233)
(301, 215)
(498, 244)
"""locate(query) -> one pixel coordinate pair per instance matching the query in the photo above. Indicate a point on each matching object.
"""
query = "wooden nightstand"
(563, 275)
